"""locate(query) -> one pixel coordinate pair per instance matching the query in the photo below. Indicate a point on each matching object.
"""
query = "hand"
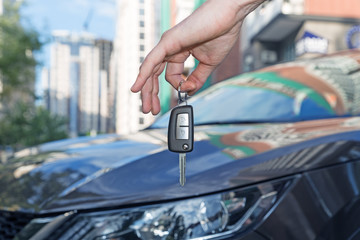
(208, 34)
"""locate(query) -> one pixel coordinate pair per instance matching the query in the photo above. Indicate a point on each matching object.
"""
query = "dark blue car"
(276, 156)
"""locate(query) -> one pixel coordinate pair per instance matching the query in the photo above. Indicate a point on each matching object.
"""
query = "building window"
(142, 35)
(141, 11)
(141, 59)
(141, 120)
(142, 48)
(142, 24)
(141, 1)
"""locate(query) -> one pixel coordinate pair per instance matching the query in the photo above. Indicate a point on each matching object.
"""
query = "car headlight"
(206, 217)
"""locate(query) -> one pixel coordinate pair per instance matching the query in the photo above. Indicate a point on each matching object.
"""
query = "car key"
(181, 133)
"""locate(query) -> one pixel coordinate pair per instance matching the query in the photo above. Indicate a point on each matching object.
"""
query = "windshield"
(263, 97)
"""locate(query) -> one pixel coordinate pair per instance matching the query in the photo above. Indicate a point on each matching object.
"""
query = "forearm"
(241, 8)
(211, 20)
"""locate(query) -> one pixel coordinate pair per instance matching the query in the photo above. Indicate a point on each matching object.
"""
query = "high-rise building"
(136, 34)
(45, 80)
(78, 81)
(105, 105)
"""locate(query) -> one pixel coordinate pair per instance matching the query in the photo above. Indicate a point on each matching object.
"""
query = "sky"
(48, 15)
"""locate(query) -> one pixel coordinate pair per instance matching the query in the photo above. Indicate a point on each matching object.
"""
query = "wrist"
(244, 7)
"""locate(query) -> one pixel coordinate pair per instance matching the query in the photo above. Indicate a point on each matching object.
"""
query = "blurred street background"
(66, 67)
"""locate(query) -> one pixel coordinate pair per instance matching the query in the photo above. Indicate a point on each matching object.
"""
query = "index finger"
(150, 65)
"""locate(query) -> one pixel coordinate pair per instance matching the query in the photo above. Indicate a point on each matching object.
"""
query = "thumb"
(197, 78)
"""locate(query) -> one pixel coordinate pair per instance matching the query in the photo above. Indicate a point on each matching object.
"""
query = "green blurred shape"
(197, 3)
(216, 140)
(290, 83)
(315, 96)
(164, 87)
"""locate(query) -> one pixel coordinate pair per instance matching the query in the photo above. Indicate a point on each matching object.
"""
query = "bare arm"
(208, 34)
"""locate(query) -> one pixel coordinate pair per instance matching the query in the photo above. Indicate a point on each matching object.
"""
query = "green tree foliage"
(25, 125)
(45, 127)
(17, 45)
(21, 123)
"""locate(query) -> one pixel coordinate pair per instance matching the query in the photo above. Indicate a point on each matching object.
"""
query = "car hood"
(112, 170)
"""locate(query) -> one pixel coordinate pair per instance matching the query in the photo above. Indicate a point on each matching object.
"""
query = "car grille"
(12, 222)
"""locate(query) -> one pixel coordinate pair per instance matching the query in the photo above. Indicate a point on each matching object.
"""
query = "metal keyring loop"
(180, 100)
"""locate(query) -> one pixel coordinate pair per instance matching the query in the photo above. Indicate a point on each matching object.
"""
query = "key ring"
(180, 99)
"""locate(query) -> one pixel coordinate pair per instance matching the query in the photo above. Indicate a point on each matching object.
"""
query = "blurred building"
(105, 105)
(136, 34)
(284, 30)
(77, 85)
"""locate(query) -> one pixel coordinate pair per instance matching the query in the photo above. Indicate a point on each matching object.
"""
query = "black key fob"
(181, 129)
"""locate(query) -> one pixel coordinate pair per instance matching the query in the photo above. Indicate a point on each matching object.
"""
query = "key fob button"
(182, 133)
(183, 119)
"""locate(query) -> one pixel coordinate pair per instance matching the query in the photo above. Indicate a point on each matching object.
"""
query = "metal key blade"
(182, 163)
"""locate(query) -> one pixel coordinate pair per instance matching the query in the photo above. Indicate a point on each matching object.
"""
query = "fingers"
(155, 109)
(155, 104)
(146, 96)
(150, 89)
(154, 61)
(197, 78)
(148, 68)
(149, 92)
(147, 81)
(153, 66)
(173, 73)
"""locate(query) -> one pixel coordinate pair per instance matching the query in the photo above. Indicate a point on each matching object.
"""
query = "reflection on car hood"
(113, 170)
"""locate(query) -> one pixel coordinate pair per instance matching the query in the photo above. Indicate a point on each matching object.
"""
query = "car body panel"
(324, 204)
(99, 172)
(295, 120)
